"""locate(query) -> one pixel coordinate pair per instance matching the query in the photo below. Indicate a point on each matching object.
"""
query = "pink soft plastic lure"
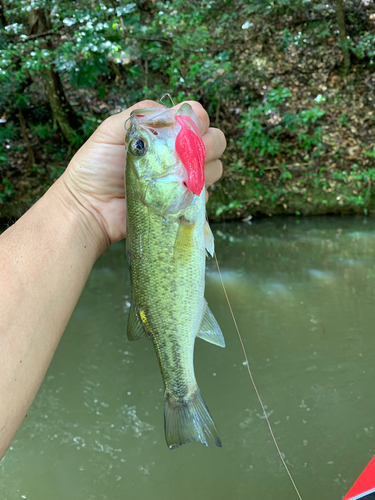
(191, 150)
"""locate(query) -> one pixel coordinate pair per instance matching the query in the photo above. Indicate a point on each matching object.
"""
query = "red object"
(191, 150)
(364, 488)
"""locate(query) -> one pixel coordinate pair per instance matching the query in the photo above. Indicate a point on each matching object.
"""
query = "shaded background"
(291, 83)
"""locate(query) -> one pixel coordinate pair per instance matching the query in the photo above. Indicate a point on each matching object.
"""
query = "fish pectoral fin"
(208, 238)
(136, 329)
(210, 329)
(184, 241)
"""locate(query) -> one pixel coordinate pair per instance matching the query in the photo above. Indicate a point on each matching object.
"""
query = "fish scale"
(167, 292)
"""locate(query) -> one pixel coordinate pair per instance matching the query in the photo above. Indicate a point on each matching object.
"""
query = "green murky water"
(303, 292)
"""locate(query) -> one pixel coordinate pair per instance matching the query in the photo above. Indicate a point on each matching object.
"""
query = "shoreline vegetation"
(291, 84)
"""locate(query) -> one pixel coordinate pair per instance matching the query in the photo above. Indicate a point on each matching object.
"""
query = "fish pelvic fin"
(188, 421)
(136, 329)
(210, 330)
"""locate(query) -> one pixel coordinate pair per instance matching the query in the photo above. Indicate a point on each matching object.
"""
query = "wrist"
(80, 216)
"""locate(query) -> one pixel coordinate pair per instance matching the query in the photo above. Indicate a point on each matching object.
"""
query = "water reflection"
(303, 294)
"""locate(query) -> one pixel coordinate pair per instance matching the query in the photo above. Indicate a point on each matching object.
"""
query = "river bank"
(232, 199)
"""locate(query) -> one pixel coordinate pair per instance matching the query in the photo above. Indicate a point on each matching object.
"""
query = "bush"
(269, 129)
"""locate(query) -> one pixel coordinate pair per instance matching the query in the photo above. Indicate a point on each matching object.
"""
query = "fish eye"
(138, 146)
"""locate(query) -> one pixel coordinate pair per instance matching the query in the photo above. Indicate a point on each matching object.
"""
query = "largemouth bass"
(167, 238)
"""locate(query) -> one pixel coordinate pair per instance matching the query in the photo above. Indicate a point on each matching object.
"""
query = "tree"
(340, 16)
(31, 39)
(62, 111)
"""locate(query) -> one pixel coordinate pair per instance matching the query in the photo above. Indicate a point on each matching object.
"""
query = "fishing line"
(254, 385)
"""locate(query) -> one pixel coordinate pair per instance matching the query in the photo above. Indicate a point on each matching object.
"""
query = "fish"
(168, 236)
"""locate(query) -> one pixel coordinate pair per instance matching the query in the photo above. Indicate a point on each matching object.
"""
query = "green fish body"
(167, 237)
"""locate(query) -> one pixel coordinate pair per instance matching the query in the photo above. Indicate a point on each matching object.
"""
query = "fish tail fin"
(188, 421)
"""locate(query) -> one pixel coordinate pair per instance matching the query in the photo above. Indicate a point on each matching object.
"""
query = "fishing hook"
(170, 98)
(125, 123)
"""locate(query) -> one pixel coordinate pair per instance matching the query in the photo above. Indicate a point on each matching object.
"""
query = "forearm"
(45, 259)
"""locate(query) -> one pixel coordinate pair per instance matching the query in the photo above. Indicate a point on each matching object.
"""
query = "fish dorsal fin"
(208, 238)
(136, 329)
(210, 329)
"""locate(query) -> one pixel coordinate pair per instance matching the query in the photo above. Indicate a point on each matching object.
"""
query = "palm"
(98, 172)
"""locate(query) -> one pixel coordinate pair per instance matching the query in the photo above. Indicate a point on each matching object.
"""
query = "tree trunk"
(340, 17)
(62, 111)
(3, 20)
(30, 151)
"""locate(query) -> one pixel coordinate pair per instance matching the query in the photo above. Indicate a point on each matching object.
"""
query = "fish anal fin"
(208, 238)
(136, 329)
(188, 421)
(210, 329)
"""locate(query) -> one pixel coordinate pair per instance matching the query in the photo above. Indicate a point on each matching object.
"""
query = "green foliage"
(44, 131)
(371, 154)
(55, 172)
(285, 174)
(230, 207)
(6, 190)
(269, 129)
(288, 38)
(344, 120)
(240, 59)
(3, 155)
(364, 47)
(8, 132)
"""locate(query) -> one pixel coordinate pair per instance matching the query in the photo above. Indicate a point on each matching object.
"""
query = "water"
(303, 294)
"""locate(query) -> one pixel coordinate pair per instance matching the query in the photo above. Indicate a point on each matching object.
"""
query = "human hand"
(94, 179)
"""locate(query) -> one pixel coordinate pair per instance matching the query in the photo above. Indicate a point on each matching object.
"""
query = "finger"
(112, 130)
(213, 170)
(146, 104)
(215, 144)
(200, 113)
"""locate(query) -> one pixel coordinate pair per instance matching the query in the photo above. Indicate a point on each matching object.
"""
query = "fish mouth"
(154, 117)
(166, 123)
